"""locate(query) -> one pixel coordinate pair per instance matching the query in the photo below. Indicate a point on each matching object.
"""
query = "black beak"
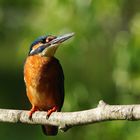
(61, 39)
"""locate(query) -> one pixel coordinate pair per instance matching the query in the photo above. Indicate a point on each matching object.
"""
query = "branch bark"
(66, 120)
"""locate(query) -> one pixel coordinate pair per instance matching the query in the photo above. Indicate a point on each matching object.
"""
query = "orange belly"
(44, 82)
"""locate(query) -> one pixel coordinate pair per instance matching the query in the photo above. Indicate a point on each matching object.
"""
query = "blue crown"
(39, 39)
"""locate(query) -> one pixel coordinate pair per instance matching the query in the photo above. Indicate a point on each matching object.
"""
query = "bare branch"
(66, 120)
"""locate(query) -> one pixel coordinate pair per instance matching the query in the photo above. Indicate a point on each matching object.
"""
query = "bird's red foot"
(33, 109)
(50, 111)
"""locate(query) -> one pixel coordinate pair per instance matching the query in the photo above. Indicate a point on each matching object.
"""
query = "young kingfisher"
(44, 78)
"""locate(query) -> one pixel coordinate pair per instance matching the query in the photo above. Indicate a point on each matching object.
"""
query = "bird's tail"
(50, 130)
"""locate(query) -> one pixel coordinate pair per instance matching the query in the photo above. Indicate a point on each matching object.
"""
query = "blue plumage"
(38, 50)
(39, 39)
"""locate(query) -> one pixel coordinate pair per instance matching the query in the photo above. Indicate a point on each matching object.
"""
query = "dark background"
(102, 61)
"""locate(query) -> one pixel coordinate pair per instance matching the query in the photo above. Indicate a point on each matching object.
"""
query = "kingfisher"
(44, 77)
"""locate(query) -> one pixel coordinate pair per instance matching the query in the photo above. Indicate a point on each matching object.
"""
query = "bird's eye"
(50, 38)
(43, 40)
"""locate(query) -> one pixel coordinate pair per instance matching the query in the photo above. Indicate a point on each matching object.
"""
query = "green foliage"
(102, 61)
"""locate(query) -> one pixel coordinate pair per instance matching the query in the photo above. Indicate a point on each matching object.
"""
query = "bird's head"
(47, 45)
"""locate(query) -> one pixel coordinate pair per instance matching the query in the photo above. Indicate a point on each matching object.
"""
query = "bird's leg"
(50, 111)
(33, 109)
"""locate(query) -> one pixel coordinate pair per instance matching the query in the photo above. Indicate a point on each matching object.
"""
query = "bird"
(44, 77)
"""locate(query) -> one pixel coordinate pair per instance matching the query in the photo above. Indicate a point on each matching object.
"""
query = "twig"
(66, 120)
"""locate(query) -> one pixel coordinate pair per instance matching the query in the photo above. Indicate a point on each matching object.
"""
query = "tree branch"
(66, 120)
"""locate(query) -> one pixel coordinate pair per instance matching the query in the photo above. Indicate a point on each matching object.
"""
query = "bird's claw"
(50, 111)
(33, 109)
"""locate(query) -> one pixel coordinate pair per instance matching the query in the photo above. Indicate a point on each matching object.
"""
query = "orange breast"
(44, 82)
